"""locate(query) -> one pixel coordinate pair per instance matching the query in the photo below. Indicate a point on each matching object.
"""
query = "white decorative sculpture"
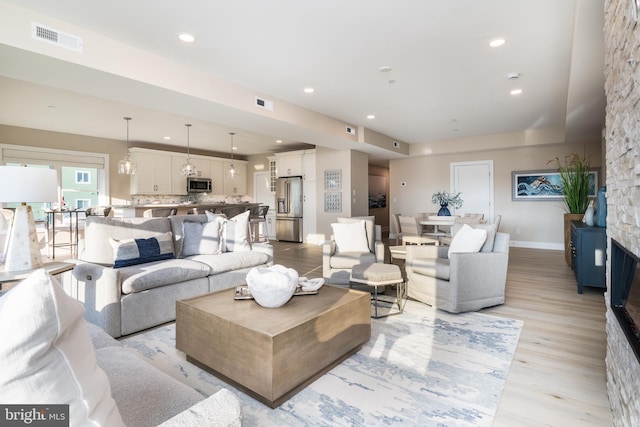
(272, 287)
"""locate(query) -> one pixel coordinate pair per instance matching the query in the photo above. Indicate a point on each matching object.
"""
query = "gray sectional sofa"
(204, 257)
(146, 396)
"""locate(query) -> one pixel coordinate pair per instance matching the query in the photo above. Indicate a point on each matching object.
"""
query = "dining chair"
(159, 212)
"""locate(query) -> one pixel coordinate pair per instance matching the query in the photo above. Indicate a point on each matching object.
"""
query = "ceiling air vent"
(263, 103)
(56, 37)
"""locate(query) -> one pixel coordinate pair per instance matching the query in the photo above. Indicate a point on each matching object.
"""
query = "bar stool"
(258, 215)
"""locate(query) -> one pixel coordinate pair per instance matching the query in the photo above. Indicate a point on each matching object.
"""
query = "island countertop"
(183, 208)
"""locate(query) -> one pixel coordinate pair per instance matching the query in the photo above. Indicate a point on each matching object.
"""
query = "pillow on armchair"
(351, 237)
(370, 227)
(467, 240)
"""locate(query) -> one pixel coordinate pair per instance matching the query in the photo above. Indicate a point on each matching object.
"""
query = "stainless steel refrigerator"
(289, 209)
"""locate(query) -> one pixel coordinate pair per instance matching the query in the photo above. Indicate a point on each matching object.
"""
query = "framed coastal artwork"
(544, 185)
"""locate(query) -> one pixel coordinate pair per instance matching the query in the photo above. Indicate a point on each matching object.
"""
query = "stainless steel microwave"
(198, 185)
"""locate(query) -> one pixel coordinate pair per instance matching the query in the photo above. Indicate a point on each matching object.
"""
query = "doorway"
(475, 181)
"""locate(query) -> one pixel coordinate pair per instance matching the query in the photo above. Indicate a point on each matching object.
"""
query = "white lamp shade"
(28, 184)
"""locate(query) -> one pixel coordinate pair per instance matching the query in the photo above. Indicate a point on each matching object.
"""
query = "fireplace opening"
(625, 293)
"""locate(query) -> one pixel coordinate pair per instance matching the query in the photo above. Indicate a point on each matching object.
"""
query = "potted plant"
(445, 199)
(575, 178)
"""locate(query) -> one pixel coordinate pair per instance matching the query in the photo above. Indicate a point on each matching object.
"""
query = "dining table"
(438, 221)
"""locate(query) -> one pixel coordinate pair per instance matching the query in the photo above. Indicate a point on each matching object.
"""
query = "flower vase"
(444, 210)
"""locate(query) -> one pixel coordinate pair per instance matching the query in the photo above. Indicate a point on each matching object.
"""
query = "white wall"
(531, 224)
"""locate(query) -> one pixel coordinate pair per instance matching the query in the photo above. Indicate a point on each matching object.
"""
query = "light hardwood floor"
(557, 377)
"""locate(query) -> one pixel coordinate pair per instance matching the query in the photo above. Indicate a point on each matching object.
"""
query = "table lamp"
(23, 185)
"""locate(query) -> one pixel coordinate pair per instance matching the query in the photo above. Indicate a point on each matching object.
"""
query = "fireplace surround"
(625, 293)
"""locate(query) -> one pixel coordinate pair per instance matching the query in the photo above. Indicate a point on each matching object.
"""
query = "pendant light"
(127, 166)
(188, 169)
(231, 170)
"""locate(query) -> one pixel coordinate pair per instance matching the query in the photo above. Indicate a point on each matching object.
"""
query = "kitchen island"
(128, 211)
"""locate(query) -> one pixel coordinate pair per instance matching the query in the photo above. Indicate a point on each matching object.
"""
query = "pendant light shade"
(231, 170)
(127, 166)
(188, 168)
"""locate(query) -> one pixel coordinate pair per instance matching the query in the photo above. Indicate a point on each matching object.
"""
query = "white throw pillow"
(351, 237)
(467, 239)
(235, 233)
(47, 356)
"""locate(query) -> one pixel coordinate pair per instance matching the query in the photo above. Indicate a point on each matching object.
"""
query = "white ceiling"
(449, 84)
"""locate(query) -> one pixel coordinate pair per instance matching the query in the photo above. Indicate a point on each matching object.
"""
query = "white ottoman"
(379, 274)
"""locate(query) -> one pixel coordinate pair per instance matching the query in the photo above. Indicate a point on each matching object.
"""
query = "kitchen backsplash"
(149, 199)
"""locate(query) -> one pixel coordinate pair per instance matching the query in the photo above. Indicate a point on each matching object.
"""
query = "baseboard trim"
(537, 245)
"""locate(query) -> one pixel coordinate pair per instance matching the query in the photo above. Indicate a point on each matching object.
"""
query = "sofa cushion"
(432, 267)
(201, 238)
(145, 395)
(351, 237)
(141, 277)
(467, 240)
(47, 356)
(230, 261)
(349, 259)
(139, 251)
(98, 231)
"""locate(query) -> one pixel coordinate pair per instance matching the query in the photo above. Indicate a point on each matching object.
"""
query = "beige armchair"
(461, 281)
(337, 263)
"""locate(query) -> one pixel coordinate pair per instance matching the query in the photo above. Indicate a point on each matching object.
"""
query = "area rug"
(423, 367)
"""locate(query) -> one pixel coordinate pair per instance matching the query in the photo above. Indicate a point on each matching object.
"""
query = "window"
(83, 177)
(272, 175)
(83, 203)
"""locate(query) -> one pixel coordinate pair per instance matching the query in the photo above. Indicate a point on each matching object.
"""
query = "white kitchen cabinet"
(309, 216)
(179, 181)
(237, 185)
(217, 176)
(309, 166)
(152, 175)
(289, 165)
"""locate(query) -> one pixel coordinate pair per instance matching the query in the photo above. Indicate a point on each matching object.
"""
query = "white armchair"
(459, 282)
(358, 247)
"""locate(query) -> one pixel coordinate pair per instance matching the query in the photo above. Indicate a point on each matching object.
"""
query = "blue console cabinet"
(588, 255)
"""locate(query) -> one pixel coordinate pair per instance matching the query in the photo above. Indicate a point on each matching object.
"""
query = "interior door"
(475, 181)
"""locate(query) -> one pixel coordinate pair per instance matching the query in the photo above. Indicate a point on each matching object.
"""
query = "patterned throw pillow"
(139, 251)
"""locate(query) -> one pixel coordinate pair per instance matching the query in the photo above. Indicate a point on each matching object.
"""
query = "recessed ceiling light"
(186, 37)
(309, 90)
(278, 141)
(234, 148)
(385, 69)
(516, 92)
(167, 138)
(497, 42)
(371, 117)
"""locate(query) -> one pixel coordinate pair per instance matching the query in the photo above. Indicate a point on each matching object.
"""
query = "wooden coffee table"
(272, 353)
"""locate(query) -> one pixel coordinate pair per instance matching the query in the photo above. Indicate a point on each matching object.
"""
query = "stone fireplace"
(622, 141)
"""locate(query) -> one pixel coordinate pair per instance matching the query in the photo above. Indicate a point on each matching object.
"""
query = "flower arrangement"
(574, 173)
(443, 198)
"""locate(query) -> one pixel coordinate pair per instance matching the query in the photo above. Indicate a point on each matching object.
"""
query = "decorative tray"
(243, 292)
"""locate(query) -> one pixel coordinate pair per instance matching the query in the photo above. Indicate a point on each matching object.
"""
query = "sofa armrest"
(379, 251)
(265, 248)
(328, 250)
(99, 288)
(220, 409)
(425, 251)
